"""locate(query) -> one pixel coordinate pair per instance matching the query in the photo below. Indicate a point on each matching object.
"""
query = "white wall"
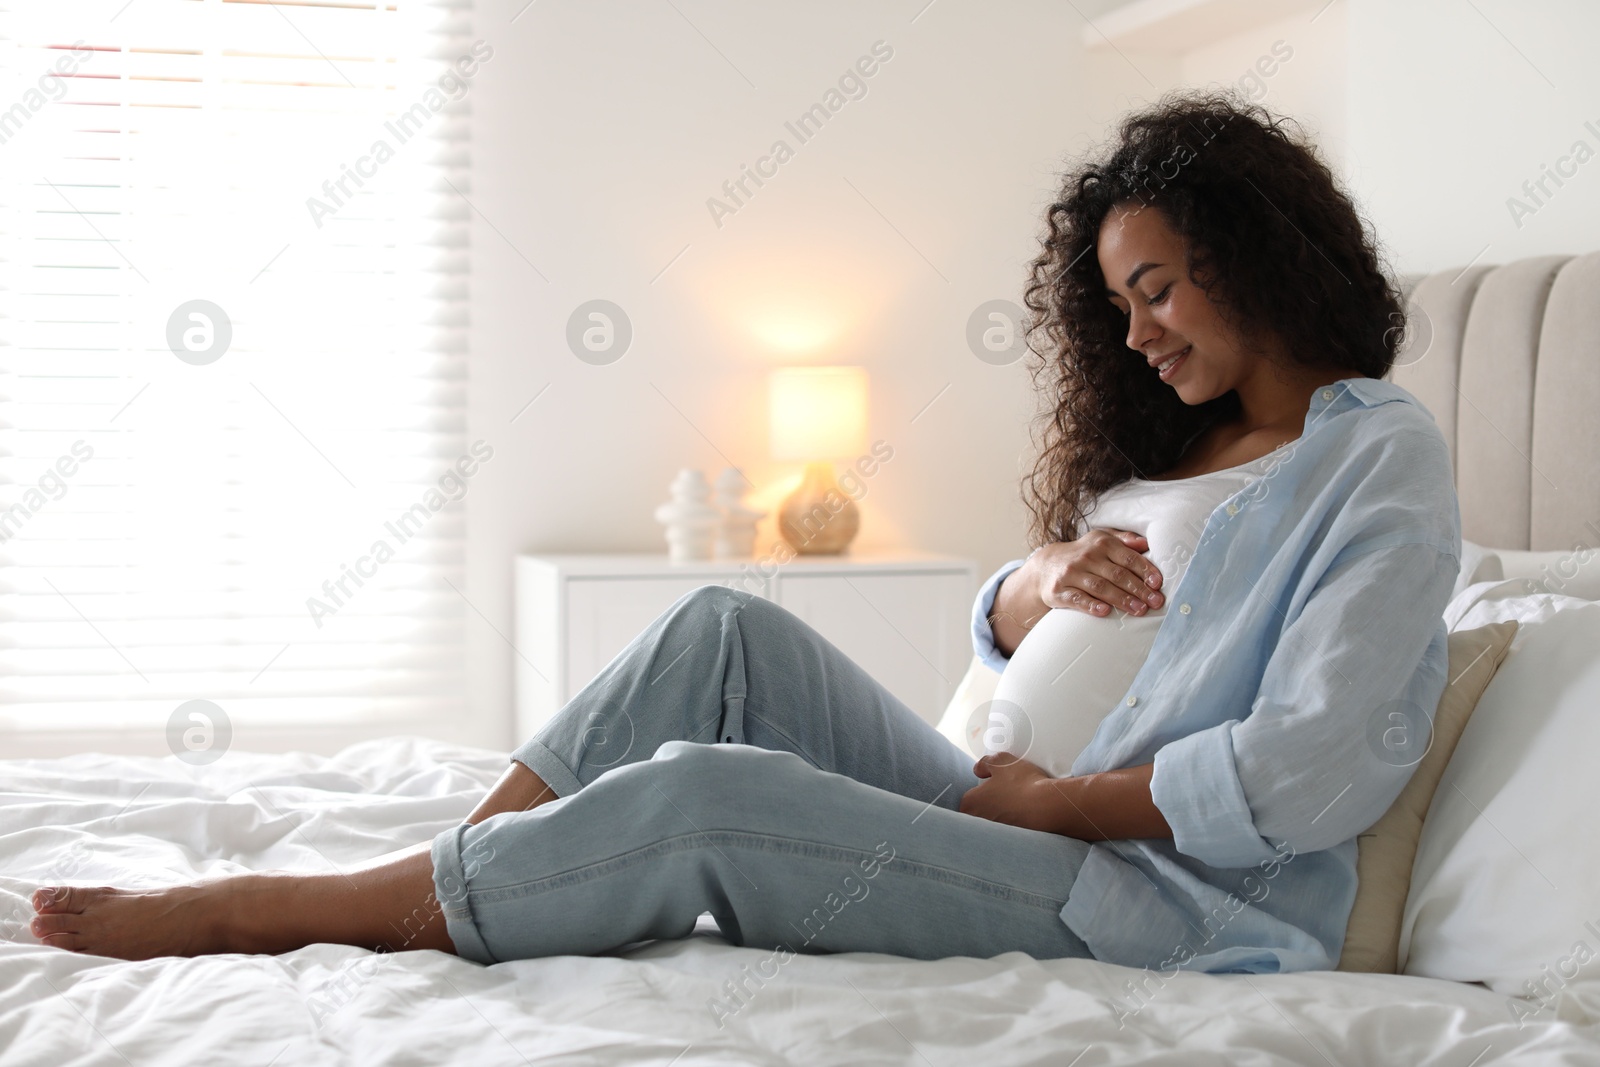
(601, 129)
(1450, 111)
(1308, 85)
(1434, 112)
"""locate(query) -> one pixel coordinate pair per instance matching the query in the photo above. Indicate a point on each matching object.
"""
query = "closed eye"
(1157, 299)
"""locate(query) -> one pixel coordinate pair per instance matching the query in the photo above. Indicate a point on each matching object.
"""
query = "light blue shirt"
(1285, 700)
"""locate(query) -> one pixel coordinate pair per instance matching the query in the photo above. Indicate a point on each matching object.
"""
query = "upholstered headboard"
(1507, 359)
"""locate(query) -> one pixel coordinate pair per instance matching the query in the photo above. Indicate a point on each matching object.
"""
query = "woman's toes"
(66, 939)
(44, 926)
(60, 898)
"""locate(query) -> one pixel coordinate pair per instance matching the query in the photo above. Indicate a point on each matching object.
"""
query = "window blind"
(232, 360)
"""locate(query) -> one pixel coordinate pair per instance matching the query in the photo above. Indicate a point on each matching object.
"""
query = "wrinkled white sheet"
(135, 821)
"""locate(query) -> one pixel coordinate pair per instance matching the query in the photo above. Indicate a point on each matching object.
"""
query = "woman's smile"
(1170, 366)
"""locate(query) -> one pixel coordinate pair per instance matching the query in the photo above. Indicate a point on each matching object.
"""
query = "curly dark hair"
(1272, 240)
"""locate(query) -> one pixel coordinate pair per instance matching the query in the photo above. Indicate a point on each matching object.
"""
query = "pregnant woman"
(1197, 675)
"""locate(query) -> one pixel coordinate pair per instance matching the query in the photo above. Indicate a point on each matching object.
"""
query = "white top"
(1072, 668)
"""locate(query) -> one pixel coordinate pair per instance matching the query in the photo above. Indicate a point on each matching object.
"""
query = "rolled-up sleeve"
(1309, 765)
(982, 608)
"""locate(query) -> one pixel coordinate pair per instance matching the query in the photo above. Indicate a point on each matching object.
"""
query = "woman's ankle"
(255, 912)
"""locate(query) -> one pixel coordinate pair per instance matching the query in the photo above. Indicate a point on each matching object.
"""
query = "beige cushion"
(1387, 850)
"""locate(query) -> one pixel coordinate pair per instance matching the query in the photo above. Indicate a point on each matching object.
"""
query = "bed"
(1527, 452)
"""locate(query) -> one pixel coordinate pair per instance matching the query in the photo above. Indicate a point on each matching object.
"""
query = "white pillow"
(1505, 889)
(1478, 564)
(1509, 598)
(1568, 572)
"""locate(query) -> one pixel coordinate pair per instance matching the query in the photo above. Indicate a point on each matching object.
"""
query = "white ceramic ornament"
(690, 520)
(736, 534)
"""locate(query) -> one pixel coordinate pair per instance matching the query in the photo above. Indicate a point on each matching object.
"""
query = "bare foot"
(386, 904)
(137, 924)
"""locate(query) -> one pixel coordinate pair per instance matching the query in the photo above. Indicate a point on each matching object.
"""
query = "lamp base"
(818, 519)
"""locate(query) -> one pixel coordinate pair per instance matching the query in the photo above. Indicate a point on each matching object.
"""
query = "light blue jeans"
(731, 760)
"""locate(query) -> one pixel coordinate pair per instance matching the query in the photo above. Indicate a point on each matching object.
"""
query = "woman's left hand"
(1015, 791)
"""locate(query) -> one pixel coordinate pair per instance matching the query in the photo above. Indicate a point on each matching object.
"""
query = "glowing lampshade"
(818, 413)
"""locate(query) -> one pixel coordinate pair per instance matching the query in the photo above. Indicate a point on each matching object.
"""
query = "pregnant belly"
(1064, 678)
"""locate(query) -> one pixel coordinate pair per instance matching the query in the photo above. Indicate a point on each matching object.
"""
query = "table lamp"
(818, 415)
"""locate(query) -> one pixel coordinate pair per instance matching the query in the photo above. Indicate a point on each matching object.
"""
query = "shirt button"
(1183, 609)
(1132, 701)
(1327, 394)
(1233, 509)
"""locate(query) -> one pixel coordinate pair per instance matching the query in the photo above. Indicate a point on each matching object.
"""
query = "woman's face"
(1143, 261)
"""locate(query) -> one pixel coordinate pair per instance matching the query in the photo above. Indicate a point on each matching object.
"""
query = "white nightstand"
(904, 617)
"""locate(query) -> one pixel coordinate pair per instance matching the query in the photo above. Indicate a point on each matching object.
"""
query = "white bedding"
(135, 821)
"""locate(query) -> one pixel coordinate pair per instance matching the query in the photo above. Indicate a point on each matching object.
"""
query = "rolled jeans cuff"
(450, 889)
(548, 766)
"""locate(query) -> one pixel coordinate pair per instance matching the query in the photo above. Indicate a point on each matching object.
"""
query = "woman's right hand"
(1099, 570)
